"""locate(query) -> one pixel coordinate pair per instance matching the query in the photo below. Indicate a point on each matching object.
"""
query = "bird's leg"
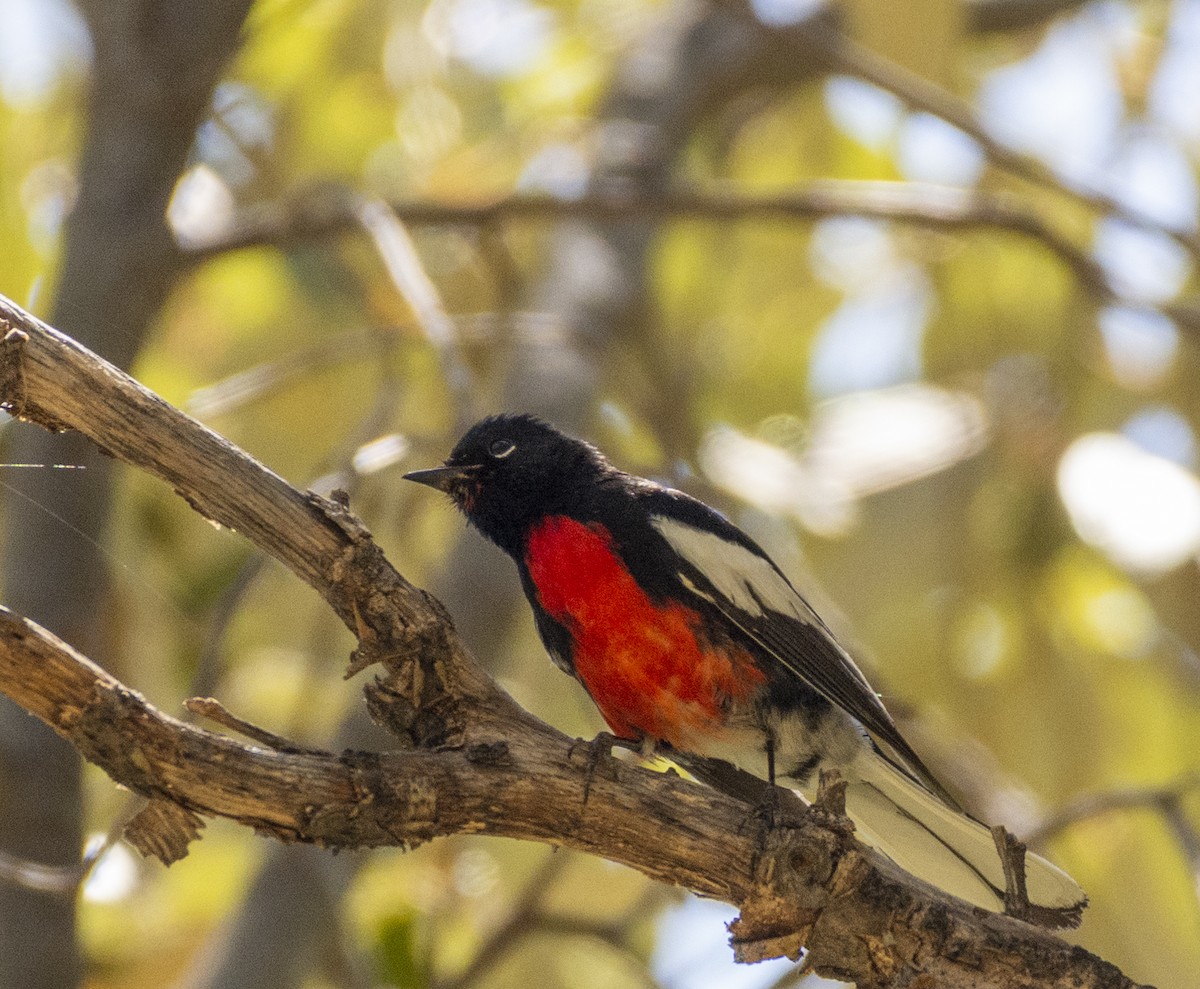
(776, 805)
(767, 808)
(763, 818)
(600, 748)
(766, 811)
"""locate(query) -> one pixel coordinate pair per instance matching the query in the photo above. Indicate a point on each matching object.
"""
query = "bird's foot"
(598, 749)
(776, 808)
(766, 810)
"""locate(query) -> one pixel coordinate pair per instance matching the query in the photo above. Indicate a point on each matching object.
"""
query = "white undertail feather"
(897, 816)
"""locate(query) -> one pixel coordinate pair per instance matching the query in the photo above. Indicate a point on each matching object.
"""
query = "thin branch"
(215, 711)
(318, 216)
(254, 383)
(614, 934)
(65, 881)
(55, 382)
(1097, 804)
(478, 763)
(930, 206)
(528, 917)
(520, 921)
(58, 880)
(1186, 836)
(403, 264)
(994, 16)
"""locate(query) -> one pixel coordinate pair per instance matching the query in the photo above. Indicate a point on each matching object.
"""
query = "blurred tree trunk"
(155, 66)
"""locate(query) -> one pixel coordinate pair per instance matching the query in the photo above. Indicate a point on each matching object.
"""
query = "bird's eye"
(501, 448)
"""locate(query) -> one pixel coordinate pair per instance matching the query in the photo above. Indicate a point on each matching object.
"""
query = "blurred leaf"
(399, 963)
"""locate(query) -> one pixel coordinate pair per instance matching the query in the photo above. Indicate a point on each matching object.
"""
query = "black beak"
(442, 478)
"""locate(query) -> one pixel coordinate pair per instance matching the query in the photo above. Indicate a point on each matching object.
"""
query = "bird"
(694, 644)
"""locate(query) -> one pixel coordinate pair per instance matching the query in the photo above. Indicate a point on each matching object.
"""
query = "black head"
(509, 470)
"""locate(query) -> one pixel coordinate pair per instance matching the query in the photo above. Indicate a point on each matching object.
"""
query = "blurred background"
(908, 290)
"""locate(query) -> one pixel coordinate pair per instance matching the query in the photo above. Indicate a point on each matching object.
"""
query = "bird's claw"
(600, 748)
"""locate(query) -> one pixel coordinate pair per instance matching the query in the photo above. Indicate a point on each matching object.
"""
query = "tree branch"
(478, 763)
(988, 16)
(327, 213)
(1157, 798)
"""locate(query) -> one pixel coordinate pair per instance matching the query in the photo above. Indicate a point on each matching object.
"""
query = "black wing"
(726, 569)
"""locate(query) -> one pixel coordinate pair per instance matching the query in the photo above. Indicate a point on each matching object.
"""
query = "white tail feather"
(897, 816)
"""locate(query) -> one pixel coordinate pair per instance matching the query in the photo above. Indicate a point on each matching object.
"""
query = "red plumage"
(651, 668)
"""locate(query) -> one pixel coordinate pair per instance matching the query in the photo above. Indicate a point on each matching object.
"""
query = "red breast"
(650, 667)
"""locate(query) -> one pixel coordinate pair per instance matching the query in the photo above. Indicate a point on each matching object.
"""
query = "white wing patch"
(745, 578)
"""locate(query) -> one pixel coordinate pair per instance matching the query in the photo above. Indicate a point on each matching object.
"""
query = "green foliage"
(396, 944)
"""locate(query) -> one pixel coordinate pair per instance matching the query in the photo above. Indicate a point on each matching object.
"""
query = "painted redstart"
(690, 639)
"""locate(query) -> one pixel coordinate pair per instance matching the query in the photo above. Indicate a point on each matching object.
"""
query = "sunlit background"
(956, 399)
